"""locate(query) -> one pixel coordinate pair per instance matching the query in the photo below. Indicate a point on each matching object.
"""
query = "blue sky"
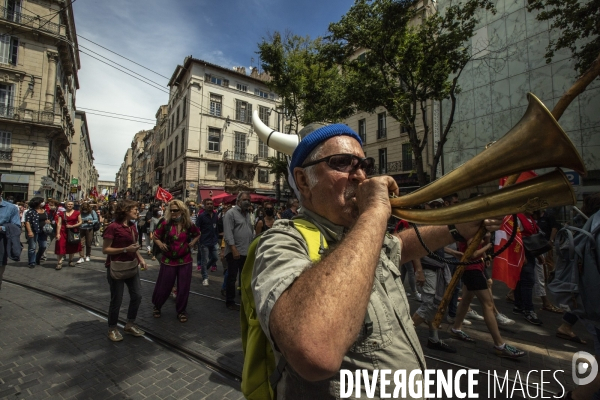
(159, 37)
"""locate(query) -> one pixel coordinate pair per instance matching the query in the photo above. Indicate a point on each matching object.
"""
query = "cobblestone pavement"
(50, 348)
(214, 331)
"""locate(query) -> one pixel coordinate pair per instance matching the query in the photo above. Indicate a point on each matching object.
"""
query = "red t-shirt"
(462, 247)
(122, 237)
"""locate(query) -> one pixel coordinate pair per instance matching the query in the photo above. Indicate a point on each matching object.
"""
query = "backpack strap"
(308, 230)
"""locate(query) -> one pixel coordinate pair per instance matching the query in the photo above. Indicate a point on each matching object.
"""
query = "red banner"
(508, 264)
(163, 195)
(94, 193)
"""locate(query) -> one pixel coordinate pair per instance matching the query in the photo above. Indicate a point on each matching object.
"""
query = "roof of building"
(177, 74)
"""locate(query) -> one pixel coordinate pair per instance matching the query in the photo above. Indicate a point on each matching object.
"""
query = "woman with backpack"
(89, 219)
(176, 236)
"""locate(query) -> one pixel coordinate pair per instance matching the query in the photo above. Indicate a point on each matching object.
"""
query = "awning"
(209, 193)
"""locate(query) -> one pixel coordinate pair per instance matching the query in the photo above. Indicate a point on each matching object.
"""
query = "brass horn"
(536, 141)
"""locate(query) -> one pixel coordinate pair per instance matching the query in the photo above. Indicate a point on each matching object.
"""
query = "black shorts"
(474, 280)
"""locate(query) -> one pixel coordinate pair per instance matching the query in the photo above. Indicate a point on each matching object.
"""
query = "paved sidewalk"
(50, 348)
(214, 331)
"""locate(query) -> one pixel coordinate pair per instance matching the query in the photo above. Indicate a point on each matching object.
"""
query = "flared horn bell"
(275, 140)
(536, 141)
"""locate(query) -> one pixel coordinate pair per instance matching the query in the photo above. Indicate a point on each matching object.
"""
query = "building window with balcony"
(242, 87)
(362, 130)
(243, 111)
(176, 146)
(183, 107)
(407, 162)
(240, 146)
(6, 100)
(263, 114)
(263, 175)
(381, 126)
(13, 10)
(260, 93)
(5, 145)
(9, 48)
(263, 149)
(214, 139)
(382, 161)
(181, 171)
(215, 104)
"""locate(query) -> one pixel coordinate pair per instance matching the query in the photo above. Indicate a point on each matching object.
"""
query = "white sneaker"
(451, 320)
(87, 259)
(148, 248)
(205, 282)
(472, 314)
(80, 261)
(418, 296)
(504, 320)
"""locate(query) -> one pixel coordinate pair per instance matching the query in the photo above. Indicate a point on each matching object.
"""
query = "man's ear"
(302, 183)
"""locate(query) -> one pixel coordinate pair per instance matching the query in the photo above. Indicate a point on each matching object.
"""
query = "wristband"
(455, 234)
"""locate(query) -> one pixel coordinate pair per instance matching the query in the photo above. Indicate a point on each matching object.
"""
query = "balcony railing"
(22, 114)
(243, 157)
(6, 154)
(381, 133)
(159, 163)
(28, 20)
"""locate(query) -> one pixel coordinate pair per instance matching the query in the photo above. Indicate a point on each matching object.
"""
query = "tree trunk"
(578, 87)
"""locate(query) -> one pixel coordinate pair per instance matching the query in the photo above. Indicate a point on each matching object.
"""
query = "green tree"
(409, 60)
(311, 89)
(579, 25)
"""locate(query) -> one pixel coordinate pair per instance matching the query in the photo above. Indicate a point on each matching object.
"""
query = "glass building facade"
(508, 61)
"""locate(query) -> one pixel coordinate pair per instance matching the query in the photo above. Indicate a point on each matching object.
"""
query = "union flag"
(163, 195)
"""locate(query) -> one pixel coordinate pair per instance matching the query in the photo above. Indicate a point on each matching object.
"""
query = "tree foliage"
(311, 89)
(410, 59)
(579, 25)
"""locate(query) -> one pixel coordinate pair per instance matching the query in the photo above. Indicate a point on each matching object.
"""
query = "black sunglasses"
(175, 210)
(347, 163)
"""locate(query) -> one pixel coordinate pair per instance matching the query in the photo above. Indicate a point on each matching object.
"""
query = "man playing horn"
(349, 310)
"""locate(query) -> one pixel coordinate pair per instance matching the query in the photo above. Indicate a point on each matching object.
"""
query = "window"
(172, 123)
(216, 80)
(181, 171)
(263, 114)
(176, 145)
(183, 107)
(242, 87)
(240, 146)
(382, 161)
(260, 93)
(212, 171)
(6, 100)
(13, 10)
(263, 149)
(9, 47)
(381, 126)
(5, 140)
(177, 119)
(214, 139)
(243, 111)
(175, 173)
(263, 175)
(182, 141)
(362, 57)
(362, 130)
(407, 162)
(215, 104)
(403, 129)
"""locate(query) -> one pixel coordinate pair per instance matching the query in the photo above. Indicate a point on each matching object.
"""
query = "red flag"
(94, 193)
(523, 176)
(508, 264)
(163, 195)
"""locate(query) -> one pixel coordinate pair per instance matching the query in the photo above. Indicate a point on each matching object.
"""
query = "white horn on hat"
(275, 140)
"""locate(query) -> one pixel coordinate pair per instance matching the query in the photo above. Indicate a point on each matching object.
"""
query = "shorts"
(474, 279)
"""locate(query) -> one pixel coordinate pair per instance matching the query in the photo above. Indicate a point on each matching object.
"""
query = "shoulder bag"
(124, 269)
(73, 237)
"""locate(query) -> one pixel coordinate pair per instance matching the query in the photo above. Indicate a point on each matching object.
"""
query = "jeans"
(207, 256)
(36, 246)
(116, 297)
(234, 267)
(524, 288)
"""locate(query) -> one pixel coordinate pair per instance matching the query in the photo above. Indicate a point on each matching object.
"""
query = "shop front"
(16, 186)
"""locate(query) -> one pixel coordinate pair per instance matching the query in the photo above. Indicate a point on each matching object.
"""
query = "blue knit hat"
(315, 138)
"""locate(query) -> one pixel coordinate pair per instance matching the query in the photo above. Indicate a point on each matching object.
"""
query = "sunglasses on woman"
(347, 163)
(174, 210)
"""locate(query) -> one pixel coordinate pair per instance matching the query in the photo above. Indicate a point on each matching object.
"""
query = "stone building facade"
(38, 84)
(84, 176)
(210, 146)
